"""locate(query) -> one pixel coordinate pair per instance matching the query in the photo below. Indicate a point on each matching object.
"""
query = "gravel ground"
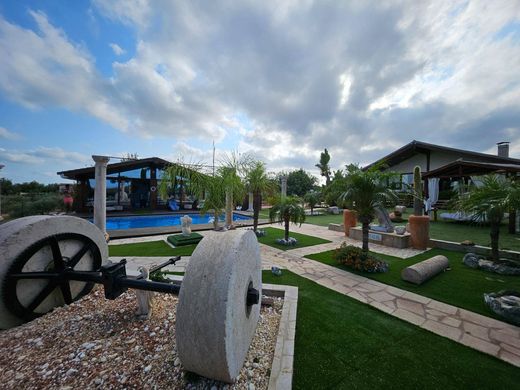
(97, 343)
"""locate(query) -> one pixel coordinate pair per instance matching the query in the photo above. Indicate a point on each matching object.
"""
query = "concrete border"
(479, 250)
(282, 366)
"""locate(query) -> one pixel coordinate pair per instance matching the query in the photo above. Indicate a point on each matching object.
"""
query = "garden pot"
(349, 220)
(419, 231)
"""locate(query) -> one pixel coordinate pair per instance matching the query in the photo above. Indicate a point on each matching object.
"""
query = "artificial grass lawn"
(462, 286)
(303, 239)
(443, 230)
(149, 249)
(344, 344)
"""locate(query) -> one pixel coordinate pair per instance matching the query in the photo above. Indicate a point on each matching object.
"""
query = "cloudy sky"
(279, 79)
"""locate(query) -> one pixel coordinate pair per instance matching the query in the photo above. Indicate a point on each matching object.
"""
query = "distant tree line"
(33, 187)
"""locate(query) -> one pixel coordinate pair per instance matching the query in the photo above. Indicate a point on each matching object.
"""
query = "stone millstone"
(214, 326)
(425, 270)
(17, 235)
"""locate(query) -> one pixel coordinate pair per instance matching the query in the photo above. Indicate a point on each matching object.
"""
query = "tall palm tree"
(287, 210)
(324, 167)
(258, 182)
(489, 203)
(365, 191)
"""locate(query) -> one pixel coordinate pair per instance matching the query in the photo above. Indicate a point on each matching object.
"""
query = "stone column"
(153, 184)
(250, 203)
(284, 186)
(100, 192)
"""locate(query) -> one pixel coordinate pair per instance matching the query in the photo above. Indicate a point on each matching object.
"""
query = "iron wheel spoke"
(56, 254)
(65, 291)
(77, 257)
(47, 290)
(34, 275)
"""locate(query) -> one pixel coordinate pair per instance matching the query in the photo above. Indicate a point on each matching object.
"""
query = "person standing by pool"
(68, 200)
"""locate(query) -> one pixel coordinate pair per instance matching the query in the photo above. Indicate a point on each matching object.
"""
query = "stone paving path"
(482, 333)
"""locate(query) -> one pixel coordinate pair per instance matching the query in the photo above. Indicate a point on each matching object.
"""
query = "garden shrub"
(355, 258)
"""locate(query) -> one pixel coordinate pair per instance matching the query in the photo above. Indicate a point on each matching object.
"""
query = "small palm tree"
(258, 182)
(312, 198)
(287, 210)
(365, 191)
(489, 203)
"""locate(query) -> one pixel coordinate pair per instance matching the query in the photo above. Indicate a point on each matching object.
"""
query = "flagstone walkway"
(482, 333)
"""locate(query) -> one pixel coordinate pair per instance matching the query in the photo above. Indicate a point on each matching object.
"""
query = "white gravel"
(97, 343)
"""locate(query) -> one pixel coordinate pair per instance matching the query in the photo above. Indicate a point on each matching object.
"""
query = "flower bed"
(354, 257)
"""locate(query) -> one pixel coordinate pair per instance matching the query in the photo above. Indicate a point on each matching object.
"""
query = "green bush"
(354, 257)
(23, 205)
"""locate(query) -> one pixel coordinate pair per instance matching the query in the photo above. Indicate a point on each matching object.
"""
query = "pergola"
(463, 168)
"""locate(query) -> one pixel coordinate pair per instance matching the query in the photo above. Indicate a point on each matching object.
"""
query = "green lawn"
(149, 249)
(303, 239)
(344, 344)
(443, 230)
(462, 286)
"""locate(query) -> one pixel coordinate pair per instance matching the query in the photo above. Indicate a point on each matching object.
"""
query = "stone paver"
(482, 333)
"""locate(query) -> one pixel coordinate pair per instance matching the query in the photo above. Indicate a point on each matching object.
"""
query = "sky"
(280, 80)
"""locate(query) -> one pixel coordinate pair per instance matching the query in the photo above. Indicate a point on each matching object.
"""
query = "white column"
(250, 208)
(100, 192)
(284, 186)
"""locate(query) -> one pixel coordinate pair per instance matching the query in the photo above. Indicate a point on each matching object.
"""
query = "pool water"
(117, 223)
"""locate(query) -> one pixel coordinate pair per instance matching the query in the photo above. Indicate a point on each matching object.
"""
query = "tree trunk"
(365, 227)
(312, 210)
(229, 208)
(257, 205)
(287, 228)
(495, 231)
(215, 221)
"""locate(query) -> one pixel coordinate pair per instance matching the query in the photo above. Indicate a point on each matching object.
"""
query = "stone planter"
(349, 220)
(419, 231)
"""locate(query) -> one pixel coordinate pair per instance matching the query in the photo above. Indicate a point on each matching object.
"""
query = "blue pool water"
(116, 223)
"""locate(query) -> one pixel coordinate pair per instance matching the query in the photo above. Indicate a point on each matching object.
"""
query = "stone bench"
(425, 270)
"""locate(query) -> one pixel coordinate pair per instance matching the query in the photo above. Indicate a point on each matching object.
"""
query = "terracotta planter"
(349, 220)
(419, 228)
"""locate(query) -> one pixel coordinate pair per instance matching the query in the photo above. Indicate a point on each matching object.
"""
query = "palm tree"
(231, 172)
(312, 198)
(258, 182)
(365, 191)
(324, 167)
(209, 188)
(489, 203)
(286, 210)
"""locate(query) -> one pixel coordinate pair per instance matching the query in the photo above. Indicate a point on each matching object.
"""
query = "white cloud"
(43, 155)
(359, 79)
(9, 135)
(118, 50)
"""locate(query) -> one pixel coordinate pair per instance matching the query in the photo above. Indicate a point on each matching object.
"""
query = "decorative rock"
(400, 230)
(505, 304)
(425, 270)
(502, 267)
(214, 324)
(400, 209)
(186, 225)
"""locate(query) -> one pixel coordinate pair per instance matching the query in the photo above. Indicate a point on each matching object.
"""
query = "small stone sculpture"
(186, 225)
(144, 298)
(505, 304)
(502, 267)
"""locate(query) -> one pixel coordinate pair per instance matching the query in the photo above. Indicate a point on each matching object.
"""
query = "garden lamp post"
(1, 166)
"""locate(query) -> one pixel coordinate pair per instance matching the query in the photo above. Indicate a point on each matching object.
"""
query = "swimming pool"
(119, 223)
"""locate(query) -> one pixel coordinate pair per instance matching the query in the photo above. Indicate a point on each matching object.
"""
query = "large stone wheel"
(35, 248)
(215, 319)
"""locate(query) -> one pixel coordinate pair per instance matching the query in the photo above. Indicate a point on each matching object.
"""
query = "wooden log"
(425, 270)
